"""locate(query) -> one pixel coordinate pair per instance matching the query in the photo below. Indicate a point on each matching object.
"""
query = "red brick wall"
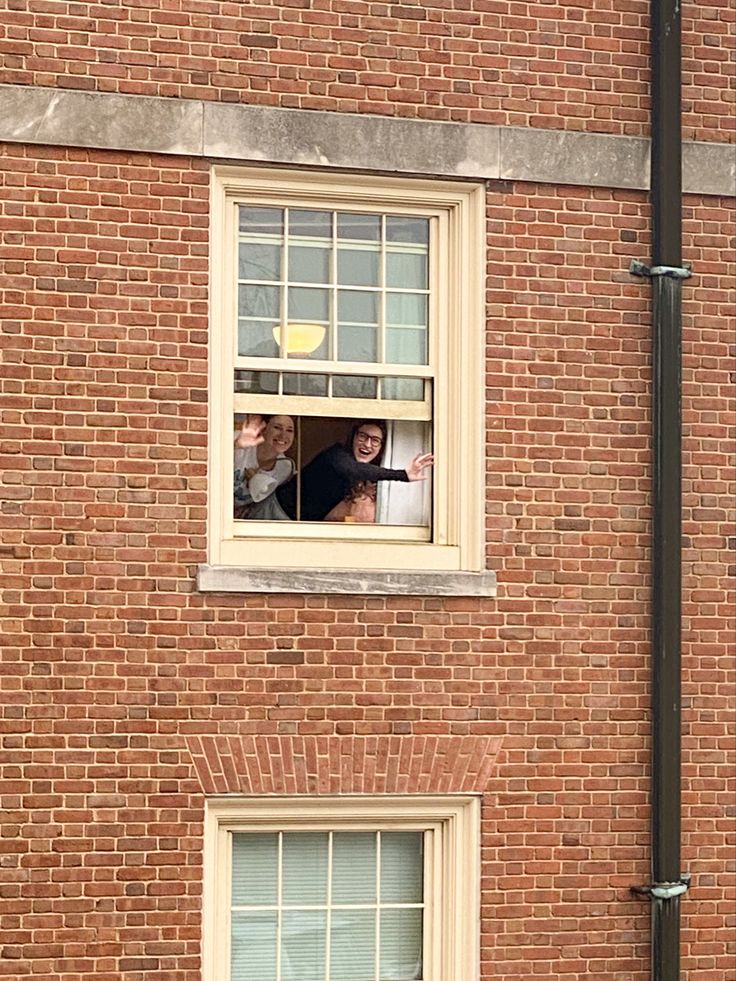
(112, 663)
(574, 65)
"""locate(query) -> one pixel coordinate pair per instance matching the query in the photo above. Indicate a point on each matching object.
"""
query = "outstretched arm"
(353, 471)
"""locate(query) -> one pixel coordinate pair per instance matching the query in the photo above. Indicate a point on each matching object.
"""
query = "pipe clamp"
(675, 272)
(665, 890)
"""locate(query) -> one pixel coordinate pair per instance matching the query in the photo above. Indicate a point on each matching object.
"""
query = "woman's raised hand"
(251, 433)
(415, 470)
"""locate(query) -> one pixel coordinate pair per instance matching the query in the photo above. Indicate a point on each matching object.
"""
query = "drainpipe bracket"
(674, 272)
(665, 890)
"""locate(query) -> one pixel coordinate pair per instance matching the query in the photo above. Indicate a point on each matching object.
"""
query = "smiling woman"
(260, 463)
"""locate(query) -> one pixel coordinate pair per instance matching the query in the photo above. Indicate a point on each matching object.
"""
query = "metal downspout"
(666, 274)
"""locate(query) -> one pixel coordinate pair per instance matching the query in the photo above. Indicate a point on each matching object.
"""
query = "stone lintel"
(353, 142)
(227, 579)
(100, 120)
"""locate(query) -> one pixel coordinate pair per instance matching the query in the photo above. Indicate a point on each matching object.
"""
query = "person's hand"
(251, 433)
(415, 470)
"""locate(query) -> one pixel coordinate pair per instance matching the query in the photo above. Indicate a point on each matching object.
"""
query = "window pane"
(401, 867)
(259, 301)
(315, 224)
(353, 947)
(303, 384)
(358, 267)
(357, 344)
(353, 868)
(255, 869)
(407, 270)
(256, 338)
(406, 309)
(406, 346)
(354, 387)
(356, 307)
(309, 304)
(261, 221)
(262, 382)
(407, 230)
(309, 264)
(364, 227)
(259, 261)
(305, 869)
(303, 945)
(253, 946)
(403, 389)
(401, 944)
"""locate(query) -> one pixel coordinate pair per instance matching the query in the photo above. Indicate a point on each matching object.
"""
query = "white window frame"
(451, 824)
(457, 346)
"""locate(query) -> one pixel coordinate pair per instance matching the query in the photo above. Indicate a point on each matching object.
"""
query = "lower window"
(343, 889)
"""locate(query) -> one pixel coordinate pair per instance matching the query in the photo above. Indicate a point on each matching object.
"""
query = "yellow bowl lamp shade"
(300, 338)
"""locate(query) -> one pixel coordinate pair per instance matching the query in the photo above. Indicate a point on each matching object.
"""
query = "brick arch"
(286, 765)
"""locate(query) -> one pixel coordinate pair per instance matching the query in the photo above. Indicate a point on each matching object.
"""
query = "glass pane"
(357, 344)
(355, 307)
(305, 869)
(259, 261)
(358, 267)
(406, 309)
(401, 944)
(302, 384)
(256, 338)
(401, 867)
(309, 304)
(309, 264)
(253, 946)
(353, 864)
(262, 382)
(303, 945)
(406, 346)
(353, 954)
(261, 221)
(403, 389)
(364, 227)
(407, 270)
(354, 387)
(259, 301)
(255, 869)
(315, 224)
(408, 230)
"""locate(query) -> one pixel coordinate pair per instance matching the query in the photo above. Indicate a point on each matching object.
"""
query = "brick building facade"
(141, 682)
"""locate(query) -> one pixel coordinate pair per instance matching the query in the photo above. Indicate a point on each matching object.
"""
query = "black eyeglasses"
(374, 441)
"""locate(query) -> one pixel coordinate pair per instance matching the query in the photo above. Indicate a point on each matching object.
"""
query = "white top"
(262, 482)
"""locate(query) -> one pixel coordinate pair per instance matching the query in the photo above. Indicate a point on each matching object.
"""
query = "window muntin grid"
(361, 279)
(361, 891)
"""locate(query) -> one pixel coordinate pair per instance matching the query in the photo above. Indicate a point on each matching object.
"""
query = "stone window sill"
(241, 579)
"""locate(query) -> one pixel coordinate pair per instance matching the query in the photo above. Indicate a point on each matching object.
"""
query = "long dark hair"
(348, 444)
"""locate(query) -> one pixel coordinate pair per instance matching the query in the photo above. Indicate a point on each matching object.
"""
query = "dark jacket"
(327, 480)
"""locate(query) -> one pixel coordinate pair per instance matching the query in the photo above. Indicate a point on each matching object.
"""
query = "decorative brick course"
(287, 765)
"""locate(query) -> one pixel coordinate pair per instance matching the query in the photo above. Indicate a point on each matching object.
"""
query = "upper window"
(355, 889)
(346, 352)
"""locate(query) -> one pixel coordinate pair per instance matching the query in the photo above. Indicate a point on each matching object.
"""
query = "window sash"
(383, 247)
(289, 882)
(333, 366)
